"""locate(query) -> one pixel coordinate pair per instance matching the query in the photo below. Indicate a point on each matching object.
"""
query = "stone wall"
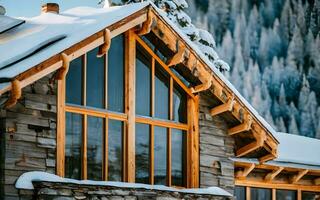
(68, 191)
(28, 135)
(215, 149)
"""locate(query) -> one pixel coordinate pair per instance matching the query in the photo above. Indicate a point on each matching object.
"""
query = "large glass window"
(260, 194)
(240, 193)
(178, 146)
(115, 150)
(74, 82)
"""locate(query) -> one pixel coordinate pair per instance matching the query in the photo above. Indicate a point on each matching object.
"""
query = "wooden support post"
(147, 25)
(270, 176)
(297, 177)
(242, 174)
(228, 106)
(179, 56)
(15, 94)
(299, 195)
(104, 48)
(130, 60)
(245, 126)
(62, 72)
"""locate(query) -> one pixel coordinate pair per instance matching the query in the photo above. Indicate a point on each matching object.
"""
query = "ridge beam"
(242, 174)
(297, 177)
(228, 106)
(245, 126)
(270, 176)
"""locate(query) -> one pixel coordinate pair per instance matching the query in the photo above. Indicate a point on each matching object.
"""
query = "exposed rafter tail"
(179, 56)
(270, 176)
(228, 106)
(104, 48)
(147, 25)
(242, 174)
(61, 74)
(245, 126)
(15, 94)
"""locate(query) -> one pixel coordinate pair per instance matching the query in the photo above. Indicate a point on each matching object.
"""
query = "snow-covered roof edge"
(26, 179)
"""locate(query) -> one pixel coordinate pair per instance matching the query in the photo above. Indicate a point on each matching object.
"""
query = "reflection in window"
(260, 194)
(74, 82)
(286, 195)
(95, 148)
(178, 154)
(142, 153)
(73, 146)
(115, 134)
(116, 75)
(143, 83)
(162, 82)
(95, 79)
(179, 105)
(160, 155)
(240, 193)
(310, 195)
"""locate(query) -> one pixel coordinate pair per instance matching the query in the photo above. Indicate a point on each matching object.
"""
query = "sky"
(30, 8)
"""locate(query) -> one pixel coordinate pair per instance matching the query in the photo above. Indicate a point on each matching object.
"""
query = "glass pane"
(95, 79)
(178, 155)
(286, 195)
(162, 82)
(310, 196)
(143, 82)
(116, 75)
(240, 193)
(179, 104)
(73, 146)
(260, 194)
(142, 153)
(74, 82)
(160, 155)
(115, 134)
(95, 148)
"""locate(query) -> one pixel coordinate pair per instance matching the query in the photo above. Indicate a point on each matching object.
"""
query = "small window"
(260, 194)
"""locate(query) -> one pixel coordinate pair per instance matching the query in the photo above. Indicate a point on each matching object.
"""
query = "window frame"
(129, 117)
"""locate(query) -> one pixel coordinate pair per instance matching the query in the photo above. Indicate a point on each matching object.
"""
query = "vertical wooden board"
(152, 87)
(60, 152)
(130, 62)
(299, 195)
(84, 68)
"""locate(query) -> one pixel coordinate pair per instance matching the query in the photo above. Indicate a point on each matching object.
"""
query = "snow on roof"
(26, 179)
(294, 151)
(75, 25)
(7, 23)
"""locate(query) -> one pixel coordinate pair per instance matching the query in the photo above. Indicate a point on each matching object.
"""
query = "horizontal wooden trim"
(162, 123)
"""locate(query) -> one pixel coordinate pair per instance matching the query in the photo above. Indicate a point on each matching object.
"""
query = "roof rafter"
(242, 174)
(297, 177)
(270, 176)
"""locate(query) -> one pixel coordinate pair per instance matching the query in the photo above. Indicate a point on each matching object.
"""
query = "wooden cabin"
(117, 103)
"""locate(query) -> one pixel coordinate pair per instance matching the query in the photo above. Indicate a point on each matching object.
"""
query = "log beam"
(62, 72)
(316, 181)
(15, 94)
(202, 87)
(179, 56)
(245, 126)
(267, 157)
(297, 177)
(242, 174)
(270, 176)
(104, 48)
(228, 106)
(147, 25)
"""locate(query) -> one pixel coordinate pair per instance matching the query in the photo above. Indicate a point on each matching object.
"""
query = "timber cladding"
(28, 134)
(216, 146)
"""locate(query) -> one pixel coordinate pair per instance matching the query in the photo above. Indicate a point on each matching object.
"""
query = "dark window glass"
(240, 193)
(115, 134)
(161, 102)
(74, 82)
(143, 82)
(260, 194)
(116, 75)
(286, 195)
(95, 79)
(310, 195)
(95, 148)
(73, 146)
(178, 154)
(160, 155)
(142, 153)
(179, 104)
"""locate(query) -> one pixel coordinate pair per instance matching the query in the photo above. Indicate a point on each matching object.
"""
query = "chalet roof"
(294, 151)
(47, 35)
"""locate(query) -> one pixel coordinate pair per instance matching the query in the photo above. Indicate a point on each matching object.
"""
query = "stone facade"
(28, 135)
(215, 149)
(51, 191)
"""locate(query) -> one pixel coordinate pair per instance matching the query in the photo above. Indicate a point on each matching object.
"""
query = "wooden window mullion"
(274, 194)
(248, 193)
(152, 87)
(84, 87)
(84, 147)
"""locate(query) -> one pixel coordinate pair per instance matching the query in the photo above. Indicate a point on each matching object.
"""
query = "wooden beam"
(61, 74)
(178, 56)
(297, 177)
(245, 126)
(202, 87)
(61, 120)
(266, 158)
(104, 48)
(242, 174)
(15, 94)
(316, 181)
(270, 176)
(146, 26)
(247, 149)
(228, 106)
